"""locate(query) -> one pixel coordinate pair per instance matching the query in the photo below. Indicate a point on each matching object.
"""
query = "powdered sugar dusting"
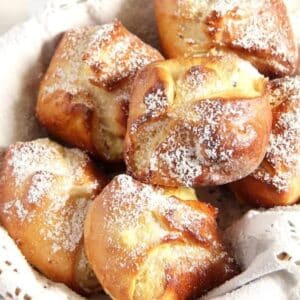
(254, 25)
(156, 101)
(132, 210)
(92, 70)
(119, 59)
(203, 148)
(261, 36)
(40, 185)
(26, 159)
(284, 147)
(22, 212)
(56, 182)
(77, 160)
(197, 9)
(102, 35)
(195, 77)
(65, 76)
(65, 229)
(184, 162)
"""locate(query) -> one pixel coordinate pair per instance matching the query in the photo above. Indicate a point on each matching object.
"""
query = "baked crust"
(45, 191)
(276, 181)
(147, 243)
(197, 121)
(257, 30)
(83, 98)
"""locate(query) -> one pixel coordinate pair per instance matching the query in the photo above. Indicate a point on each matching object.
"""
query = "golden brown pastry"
(197, 121)
(83, 98)
(277, 180)
(257, 30)
(147, 243)
(45, 191)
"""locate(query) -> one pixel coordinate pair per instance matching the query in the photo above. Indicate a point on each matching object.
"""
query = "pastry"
(45, 191)
(197, 121)
(257, 30)
(276, 181)
(147, 243)
(83, 98)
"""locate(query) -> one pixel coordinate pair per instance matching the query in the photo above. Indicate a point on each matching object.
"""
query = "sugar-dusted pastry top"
(196, 121)
(45, 191)
(148, 243)
(283, 153)
(258, 30)
(83, 98)
(278, 177)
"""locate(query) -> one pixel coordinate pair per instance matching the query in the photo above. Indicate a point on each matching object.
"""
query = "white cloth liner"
(266, 242)
(18, 279)
(267, 246)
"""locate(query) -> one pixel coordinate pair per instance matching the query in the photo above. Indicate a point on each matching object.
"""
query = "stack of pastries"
(222, 108)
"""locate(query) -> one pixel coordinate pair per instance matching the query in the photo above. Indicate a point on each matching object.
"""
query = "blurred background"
(15, 11)
(12, 12)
